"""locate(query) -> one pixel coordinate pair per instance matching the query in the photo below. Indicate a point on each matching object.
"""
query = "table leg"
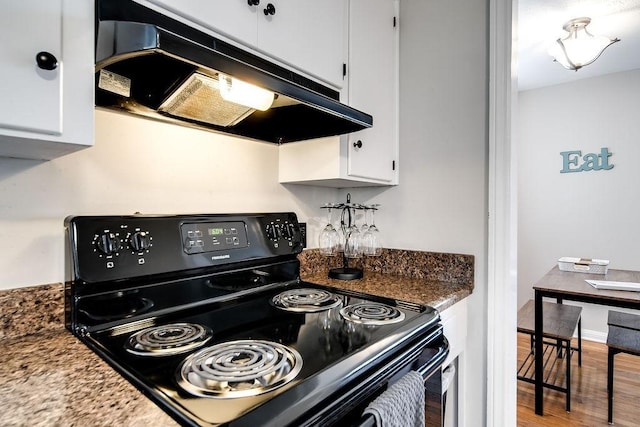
(538, 353)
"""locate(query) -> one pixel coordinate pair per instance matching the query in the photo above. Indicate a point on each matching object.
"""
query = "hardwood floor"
(589, 391)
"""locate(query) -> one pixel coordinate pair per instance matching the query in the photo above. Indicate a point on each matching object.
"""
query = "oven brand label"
(217, 257)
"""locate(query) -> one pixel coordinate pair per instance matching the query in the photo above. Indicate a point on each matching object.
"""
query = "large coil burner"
(239, 369)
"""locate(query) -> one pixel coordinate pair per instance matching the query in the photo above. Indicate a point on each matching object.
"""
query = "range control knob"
(288, 230)
(108, 243)
(273, 231)
(140, 241)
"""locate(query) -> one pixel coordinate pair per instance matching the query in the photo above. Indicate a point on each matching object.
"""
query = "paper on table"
(616, 286)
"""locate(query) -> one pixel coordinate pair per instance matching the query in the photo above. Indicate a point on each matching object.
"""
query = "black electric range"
(208, 317)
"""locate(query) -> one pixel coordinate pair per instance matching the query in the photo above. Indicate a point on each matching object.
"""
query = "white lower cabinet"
(454, 320)
(46, 78)
(368, 157)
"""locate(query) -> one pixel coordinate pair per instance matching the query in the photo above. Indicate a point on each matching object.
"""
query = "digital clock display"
(215, 231)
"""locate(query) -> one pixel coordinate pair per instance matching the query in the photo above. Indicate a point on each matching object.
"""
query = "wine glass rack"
(350, 245)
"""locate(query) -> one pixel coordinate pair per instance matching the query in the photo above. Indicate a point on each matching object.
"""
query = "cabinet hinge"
(344, 70)
(394, 22)
(393, 165)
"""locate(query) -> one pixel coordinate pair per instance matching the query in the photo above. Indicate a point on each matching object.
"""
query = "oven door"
(345, 405)
(349, 405)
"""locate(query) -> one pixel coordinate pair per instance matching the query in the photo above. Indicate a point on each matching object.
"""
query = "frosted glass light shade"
(579, 47)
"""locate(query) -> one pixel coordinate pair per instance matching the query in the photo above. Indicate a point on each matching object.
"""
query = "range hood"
(154, 66)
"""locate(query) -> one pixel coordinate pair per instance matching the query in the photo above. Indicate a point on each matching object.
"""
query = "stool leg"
(580, 341)
(568, 353)
(531, 343)
(610, 386)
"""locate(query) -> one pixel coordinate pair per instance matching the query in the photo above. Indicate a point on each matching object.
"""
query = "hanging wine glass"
(364, 227)
(372, 239)
(353, 242)
(329, 238)
(366, 237)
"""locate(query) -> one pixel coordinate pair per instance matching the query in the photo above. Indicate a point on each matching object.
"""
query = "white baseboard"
(591, 335)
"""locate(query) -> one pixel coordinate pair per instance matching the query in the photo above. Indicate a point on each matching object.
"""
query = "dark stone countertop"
(435, 279)
(49, 378)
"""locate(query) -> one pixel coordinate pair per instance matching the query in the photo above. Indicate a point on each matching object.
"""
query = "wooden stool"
(559, 323)
(623, 337)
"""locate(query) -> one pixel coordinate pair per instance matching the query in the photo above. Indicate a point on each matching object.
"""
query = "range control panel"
(120, 247)
(213, 236)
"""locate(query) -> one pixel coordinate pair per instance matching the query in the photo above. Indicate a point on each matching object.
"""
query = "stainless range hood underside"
(154, 55)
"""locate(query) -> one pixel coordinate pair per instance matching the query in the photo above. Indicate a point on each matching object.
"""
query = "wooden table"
(563, 285)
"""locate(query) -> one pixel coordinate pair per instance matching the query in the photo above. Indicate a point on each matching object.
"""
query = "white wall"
(441, 202)
(587, 214)
(136, 165)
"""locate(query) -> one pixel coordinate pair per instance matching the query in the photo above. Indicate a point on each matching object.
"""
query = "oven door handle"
(426, 369)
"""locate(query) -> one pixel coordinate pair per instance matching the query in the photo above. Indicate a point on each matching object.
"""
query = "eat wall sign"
(574, 161)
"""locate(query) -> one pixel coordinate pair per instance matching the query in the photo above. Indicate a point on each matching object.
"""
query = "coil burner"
(306, 300)
(168, 340)
(239, 369)
(372, 313)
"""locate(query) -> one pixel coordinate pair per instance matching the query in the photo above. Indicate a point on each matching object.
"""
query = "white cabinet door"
(30, 96)
(45, 113)
(236, 19)
(305, 34)
(308, 34)
(373, 87)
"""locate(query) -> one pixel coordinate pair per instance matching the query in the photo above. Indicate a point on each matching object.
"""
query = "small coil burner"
(306, 300)
(372, 313)
(167, 340)
(239, 369)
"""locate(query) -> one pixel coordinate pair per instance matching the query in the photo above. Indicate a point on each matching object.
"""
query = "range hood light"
(243, 93)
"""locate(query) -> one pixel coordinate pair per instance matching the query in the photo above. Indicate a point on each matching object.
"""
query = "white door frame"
(501, 268)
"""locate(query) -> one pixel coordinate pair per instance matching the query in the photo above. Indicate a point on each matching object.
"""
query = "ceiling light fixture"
(580, 47)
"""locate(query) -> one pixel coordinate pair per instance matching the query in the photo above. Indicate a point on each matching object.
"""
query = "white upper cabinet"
(373, 88)
(236, 19)
(46, 78)
(304, 34)
(368, 157)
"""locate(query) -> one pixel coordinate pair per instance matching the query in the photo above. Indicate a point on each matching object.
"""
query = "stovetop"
(324, 340)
